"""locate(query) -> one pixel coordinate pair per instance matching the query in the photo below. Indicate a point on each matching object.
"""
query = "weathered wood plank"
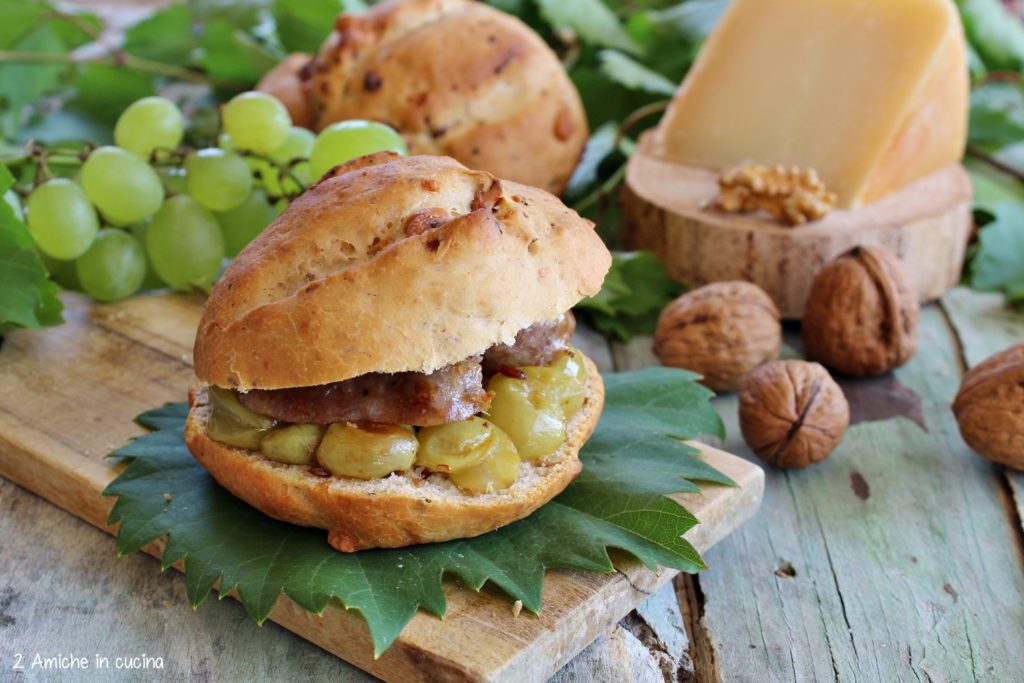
(985, 325)
(64, 590)
(892, 560)
(87, 379)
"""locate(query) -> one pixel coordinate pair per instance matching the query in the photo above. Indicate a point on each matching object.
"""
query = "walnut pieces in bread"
(402, 265)
(455, 78)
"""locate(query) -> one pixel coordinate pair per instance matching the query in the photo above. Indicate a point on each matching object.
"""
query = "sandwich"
(391, 360)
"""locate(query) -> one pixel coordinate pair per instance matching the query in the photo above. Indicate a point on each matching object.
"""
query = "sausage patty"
(450, 394)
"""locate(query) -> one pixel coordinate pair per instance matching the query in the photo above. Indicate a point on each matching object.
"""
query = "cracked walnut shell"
(862, 313)
(792, 413)
(791, 195)
(723, 331)
(989, 407)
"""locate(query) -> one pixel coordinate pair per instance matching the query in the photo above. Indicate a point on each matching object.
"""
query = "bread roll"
(399, 510)
(456, 78)
(394, 264)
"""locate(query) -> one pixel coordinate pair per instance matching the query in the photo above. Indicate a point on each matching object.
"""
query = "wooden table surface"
(899, 558)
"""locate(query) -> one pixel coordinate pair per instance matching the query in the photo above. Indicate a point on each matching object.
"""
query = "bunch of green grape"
(148, 213)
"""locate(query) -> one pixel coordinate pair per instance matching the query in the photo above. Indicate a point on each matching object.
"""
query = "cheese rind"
(872, 94)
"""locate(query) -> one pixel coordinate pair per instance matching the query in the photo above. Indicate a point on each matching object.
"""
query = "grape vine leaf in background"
(998, 264)
(993, 33)
(634, 293)
(28, 297)
(632, 461)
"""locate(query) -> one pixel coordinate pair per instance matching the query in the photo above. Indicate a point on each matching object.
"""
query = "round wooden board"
(927, 224)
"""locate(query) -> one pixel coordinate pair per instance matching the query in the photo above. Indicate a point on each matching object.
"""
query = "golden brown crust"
(456, 78)
(286, 83)
(335, 288)
(393, 512)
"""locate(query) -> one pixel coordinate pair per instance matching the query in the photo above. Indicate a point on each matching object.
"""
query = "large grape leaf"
(28, 297)
(634, 459)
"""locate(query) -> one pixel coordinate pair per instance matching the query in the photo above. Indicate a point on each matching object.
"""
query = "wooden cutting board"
(68, 396)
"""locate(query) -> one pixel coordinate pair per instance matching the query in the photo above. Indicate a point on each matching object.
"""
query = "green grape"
(346, 140)
(11, 197)
(256, 121)
(152, 280)
(217, 179)
(61, 219)
(148, 124)
(114, 266)
(185, 244)
(174, 179)
(242, 223)
(298, 144)
(121, 185)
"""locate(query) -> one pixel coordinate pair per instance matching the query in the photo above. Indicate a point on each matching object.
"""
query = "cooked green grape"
(148, 124)
(122, 186)
(234, 424)
(346, 140)
(256, 121)
(242, 223)
(217, 179)
(293, 445)
(114, 266)
(565, 380)
(152, 280)
(366, 452)
(11, 197)
(528, 413)
(496, 470)
(454, 446)
(185, 244)
(61, 220)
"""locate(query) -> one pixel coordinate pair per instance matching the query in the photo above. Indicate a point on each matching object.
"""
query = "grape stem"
(284, 170)
(119, 59)
(995, 163)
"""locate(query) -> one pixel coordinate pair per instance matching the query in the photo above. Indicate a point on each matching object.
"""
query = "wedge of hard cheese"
(872, 94)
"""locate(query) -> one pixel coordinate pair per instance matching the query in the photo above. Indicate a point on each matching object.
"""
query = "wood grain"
(87, 379)
(985, 325)
(912, 572)
(927, 224)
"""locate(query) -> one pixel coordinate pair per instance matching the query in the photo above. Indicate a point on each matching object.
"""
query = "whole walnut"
(990, 407)
(455, 78)
(862, 313)
(792, 413)
(723, 331)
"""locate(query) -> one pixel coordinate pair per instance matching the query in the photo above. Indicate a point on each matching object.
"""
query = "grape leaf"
(231, 54)
(995, 33)
(164, 36)
(997, 115)
(28, 298)
(631, 74)
(998, 264)
(302, 25)
(591, 20)
(634, 293)
(103, 92)
(634, 459)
